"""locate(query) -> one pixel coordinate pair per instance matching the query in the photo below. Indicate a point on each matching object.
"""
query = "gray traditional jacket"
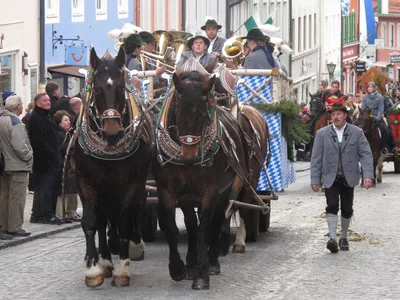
(325, 156)
(258, 60)
(376, 102)
(14, 143)
(207, 60)
(218, 44)
(133, 64)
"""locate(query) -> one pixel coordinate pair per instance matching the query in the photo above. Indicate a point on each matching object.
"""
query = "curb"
(303, 170)
(42, 235)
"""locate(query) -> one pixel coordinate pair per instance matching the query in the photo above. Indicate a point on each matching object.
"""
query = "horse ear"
(120, 58)
(94, 59)
(177, 82)
(208, 85)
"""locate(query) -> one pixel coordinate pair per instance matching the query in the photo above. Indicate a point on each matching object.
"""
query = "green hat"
(134, 40)
(198, 36)
(256, 34)
(211, 23)
(339, 106)
(147, 37)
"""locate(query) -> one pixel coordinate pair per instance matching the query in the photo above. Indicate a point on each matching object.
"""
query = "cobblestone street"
(288, 262)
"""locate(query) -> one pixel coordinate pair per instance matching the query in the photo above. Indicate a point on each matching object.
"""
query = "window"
(123, 7)
(391, 35)
(398, 35)
(304, 33)
(315, 30)
(78, 11)
(101, 9)
(34, 82)
(310, 44)
(299, 35)
(7, 72)
(293, 36)
(383, 32)
(52, 12)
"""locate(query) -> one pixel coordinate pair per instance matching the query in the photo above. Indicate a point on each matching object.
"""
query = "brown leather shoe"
(19, 233)
(5, 237)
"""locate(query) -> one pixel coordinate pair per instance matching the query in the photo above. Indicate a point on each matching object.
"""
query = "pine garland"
(293, 129)
(394, 111)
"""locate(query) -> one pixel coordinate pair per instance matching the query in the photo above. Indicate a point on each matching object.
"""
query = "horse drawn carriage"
(394, 122)
(201, 154)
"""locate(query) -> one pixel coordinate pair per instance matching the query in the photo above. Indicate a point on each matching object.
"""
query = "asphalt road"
(288, 262)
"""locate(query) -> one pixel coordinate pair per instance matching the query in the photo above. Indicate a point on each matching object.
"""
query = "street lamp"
(331, 69)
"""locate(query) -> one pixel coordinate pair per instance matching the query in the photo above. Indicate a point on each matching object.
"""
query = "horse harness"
(91, 139)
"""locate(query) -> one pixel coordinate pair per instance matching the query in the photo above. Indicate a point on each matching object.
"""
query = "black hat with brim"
(339, 107)
(256, 34)
(211, 23)
(133, 40)
(198, 36)
(147, 37)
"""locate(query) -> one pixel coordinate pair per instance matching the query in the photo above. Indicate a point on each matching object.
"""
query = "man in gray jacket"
(211, 28)
(199, 45)
(337, 151)
(18, 155)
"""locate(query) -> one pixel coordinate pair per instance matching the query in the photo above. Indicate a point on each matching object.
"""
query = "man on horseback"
(328, 98)
(375, 101)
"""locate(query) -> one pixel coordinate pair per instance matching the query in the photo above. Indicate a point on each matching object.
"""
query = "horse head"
(365, 120)
(192, 110)
(108, 96)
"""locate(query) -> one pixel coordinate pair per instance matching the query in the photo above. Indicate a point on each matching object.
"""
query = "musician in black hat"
(199, 45)
(150, 46)
(132, 46)
(211, 28)
(261, 51)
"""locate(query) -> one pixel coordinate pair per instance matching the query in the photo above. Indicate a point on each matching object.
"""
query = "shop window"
(7, 72)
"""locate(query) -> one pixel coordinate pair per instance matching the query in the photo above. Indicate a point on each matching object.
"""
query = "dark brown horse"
(112, 153)
(367, 123)
(198, 143)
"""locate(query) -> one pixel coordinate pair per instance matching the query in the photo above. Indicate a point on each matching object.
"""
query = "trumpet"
(233, 49)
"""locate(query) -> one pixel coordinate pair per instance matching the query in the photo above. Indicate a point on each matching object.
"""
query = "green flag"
(250, 23)
(269, 21)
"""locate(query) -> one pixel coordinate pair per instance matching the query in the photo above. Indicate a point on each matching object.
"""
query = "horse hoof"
(239, 249)
(191, 272)
(107, 272)
(214, 269)
(140, 258)
(379, 180)
(136, 251)
(177, 273)
(120, 281)
(201, 284)
(94, 282)
(224, 245)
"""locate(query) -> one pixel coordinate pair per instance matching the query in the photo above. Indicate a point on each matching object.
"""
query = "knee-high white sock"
(332, 225)
(345, 223)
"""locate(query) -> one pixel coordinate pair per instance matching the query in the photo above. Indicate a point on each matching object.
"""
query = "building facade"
(72, 28)
(388, 54)
(305, 42)
(351, 45)
(19, 48)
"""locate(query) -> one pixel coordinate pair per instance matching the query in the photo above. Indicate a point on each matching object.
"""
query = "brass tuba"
(179, 42)
(158, 57)
(233, 49)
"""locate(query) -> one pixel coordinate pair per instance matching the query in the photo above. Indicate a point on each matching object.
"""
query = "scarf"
(268, 53)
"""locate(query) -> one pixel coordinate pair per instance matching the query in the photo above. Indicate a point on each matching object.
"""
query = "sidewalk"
(302, 166)
(37, 231)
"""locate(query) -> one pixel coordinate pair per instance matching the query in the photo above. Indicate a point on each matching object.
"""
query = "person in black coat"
(44, 137)
(57, 102)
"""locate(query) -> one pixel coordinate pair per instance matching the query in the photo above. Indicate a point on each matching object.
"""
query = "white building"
(19, 47)
(305, 38)
(330, 33)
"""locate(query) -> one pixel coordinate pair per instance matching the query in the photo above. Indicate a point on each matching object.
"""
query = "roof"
(371, 73)
(68, 70)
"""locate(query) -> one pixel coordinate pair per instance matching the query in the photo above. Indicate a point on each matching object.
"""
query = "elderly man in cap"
(211, 28)
(261, 51)
(199, 45)
(338, 149)
(18, 154)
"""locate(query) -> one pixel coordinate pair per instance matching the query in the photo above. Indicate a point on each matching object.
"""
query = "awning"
(382, 63)
(68, 70)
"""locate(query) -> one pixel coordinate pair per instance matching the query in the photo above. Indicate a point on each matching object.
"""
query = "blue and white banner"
(345, 7)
